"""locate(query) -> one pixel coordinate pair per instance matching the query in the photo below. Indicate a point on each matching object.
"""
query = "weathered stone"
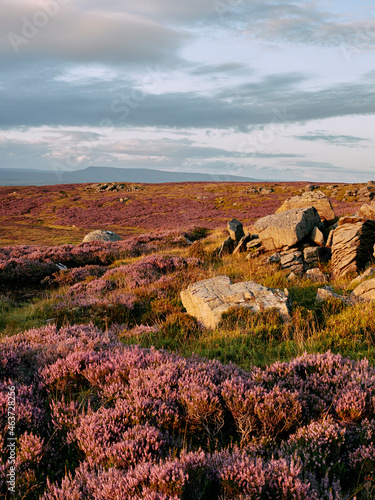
(286, 228)
(207, 300)
(367, 211)
(226, 248)
(253, 243)
(275, 258)
(365, 291)
(292, 276)
(330, 239)
(316, 275)
(315, 199)
(326, 293)
(311, 255)
(241, 247)
(292, 260)
(100, 235)
(235, 229)
(367, 274)
(317, 236)
(255, 252)
(352, 244)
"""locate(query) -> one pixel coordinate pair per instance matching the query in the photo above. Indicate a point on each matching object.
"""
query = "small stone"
(317, 236)
(275, 258)
(326, 293)
(242, 244)
(316, 275)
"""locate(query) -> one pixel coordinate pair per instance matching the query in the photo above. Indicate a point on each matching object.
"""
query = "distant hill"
(32, 177)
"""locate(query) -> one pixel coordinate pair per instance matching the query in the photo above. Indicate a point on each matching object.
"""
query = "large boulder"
(352, 245)
(315, 199)
(286, 228)
(101, 235)
(208, 299)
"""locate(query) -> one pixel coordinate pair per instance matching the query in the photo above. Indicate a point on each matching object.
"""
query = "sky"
(268, 89)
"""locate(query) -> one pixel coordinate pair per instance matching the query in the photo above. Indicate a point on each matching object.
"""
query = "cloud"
(213, 69)
(85, 35)
(40, 99)
(339, 140)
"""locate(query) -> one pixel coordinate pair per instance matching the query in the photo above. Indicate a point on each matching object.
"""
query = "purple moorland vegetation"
(29, 264)
(100, 420)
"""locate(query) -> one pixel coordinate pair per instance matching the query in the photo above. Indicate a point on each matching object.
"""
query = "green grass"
(242, 337)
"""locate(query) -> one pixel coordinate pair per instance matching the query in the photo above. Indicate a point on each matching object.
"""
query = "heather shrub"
(99, 419)
(197, 250)
(197, 233)
(75, 275)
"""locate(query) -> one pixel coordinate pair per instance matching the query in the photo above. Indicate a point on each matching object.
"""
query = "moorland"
(121, 394)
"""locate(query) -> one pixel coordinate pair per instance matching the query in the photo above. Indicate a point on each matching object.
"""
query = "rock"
(207, 300)
(241, 247)
(253, 243)
(311, 255)
(275, 258)
(254, 253)
(292, 260)
(326, 293)
(286, 228)
(61, 267)
(235, 229)
(317, 236)
(316, 275)
(311, 187)
(101, 235)
(292, 276)
(226, 248)
(315, 199)
(365, 291)
(367, 211)
(367, 274)
(351, 244)
(329, 239)
(315, 255)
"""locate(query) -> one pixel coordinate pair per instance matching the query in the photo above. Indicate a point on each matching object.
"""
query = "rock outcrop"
(208, 299)
(101, 235)
(352, 245)
(315, 199)
(286, 228)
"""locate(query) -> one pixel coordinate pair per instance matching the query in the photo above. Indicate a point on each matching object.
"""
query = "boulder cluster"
(302, 233)
(305, 232)
(115, 186)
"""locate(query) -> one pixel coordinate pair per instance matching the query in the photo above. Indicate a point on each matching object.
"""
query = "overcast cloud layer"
(271, 90)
